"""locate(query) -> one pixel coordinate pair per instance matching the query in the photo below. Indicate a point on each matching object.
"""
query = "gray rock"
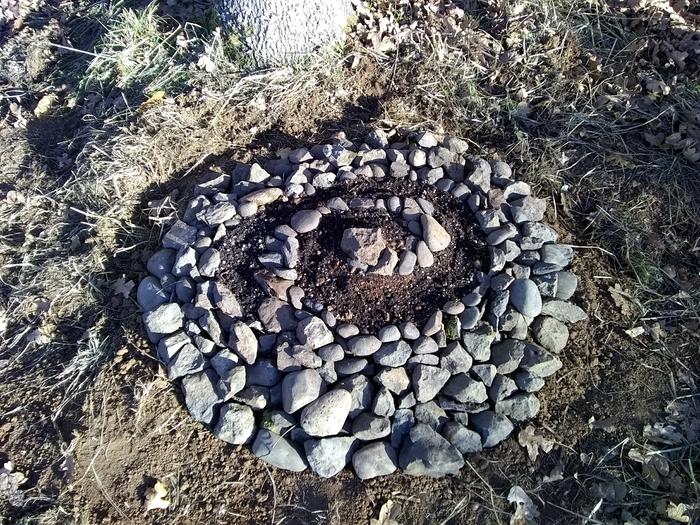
(547, 284)
(368, 427)
(386, 264)
(486, 373)
(290, 252)
(417, 158)
(305, 221)
(479, 177)
(539, 362)
(326, 415)
(519, 408)
(455, 145)
(563, 311)
(393, 354)
(399, 169)
(427, 453)
(217, 213)
(209, 262)
(299, 389)
(540, 231)
(363, 244)
(508, 231)
(351, 365)
(347, 331)
(328, 456)
(185, 262)
(493, 428)
(394, 379)
(262, 373)
(363, 345)
(328, 373)
(224, 299)
(277, 421)
(525, 297)
(516, 190)
(256, 397)
(528, 209)
(439, 156)
(501, 281)
(409, 331)
(506, 356)
(236, 424)
(150, 294)
(427, 381)
(430, 414)
(551, 333)
(557, 254)
(426, 140)
(187, 361)
(314, 333)
(276, 316)
(434, 324)
(278, 451)
(499, 303)
(401, 424)
(465, 440)
(455, 359)
(170, 345)
(383, 404)
(501, 387)
(478, 342)
(161, 262)
(373, 460)
(201, 395)
(164, 320)
(407, 262)
(361, 390)
(377, 138)
(465, 389)
(185, 290)
(434, 234)
(333, 352)
(389, 333)
(567, 283)
(453, 307)
(528, 382)
(244, 342)
(425, 345)
(469, 317)
(424, 256)
(179, 236)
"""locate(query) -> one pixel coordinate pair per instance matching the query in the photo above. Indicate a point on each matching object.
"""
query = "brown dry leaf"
(620, 298)
(44, 105)
(387, 514)
(534, 442)
(155, 497)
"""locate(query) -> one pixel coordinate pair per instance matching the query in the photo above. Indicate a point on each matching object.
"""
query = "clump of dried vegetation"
(106, 108)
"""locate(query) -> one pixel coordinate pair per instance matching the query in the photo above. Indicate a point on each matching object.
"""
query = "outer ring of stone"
(483, 377)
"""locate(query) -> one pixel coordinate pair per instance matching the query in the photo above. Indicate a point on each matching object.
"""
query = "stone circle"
(243, 303)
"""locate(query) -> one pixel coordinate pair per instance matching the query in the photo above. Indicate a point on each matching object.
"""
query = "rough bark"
(277, 32)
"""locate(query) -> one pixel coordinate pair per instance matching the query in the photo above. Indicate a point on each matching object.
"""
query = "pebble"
(351, 365)
(187, 361)
(528, 209)
(424, 256)
(547, 284)
(469, 318)
(326, 415)
(525, 297)
(478, 342)
(453, 307)
(363, 244)
(502, 234)
(377, 138)
(427, 453)
(276, 316)
(551, 333)
(425, 345)
(332, 352)
(185, 262)
(328, 456)
(417, 158)
(426, 140)
(501, 387)
(539, 362)
(363, 345)
(244, 342)
(374, 460)
(527, 382)
(347, 330)
(409, 331)
(247, 209)
(389, 333)
(278, 451)
(299, 389)
(557, 254)
(179, 236)
(540, 231)
(430, 414)
(209, 262)
(493, 428)
(506, 356)
(427, 381)
(434, 235)
(485, 372)
(305, 221)
(236, 424)
(407, 262)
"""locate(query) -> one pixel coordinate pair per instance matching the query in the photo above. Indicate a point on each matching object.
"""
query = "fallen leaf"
(677, 512)
(620, 298)
(122, 287)
(526, 512)
(155, 497)
(635, 332)
(387, 514)
(534, 442)
(154, 99)
(44, 105)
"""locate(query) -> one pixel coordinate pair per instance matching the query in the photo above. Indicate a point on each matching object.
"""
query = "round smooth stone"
(525, 297)
(453, 307)
(389, 333)
(305, 221)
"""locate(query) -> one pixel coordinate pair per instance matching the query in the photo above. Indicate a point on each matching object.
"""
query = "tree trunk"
(278, 32)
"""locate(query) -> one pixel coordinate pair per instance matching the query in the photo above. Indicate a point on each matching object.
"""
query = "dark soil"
(368, 301)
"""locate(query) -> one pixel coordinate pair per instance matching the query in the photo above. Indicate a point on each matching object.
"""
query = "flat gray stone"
(363, 244)
(278, 451)
(393, 354)
(425, 345)
(519, 408)
(305, 221)
(407, 262)
(236, 424)
(333, 352)
(362, 392)
(427, 453)
(478, 342)
(328, 456)
(557, 254)
(493, 428)
(528, 209)
(179, 236)
(430, 414)
(383, 404)
(244, 342)
(369, 427)
(314, 333)
(506, 356)
(567, 283)
(434, 234)
(150, 294)
(501, 387)
(395, 380)
(527, 382)
(351, 365)
(539, 362)
(187, 361)
(326, 415)
(465, 389)
(563, 311)
(363, 345)
(209, 262)
(540, 231)
(455, 359)
(374, 460)
(424, 256)
(224, 299)
(550, 333)
(389, 333)
(164, 320)
(276, 315)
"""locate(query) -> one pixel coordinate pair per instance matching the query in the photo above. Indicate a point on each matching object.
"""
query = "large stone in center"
(363, 245)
